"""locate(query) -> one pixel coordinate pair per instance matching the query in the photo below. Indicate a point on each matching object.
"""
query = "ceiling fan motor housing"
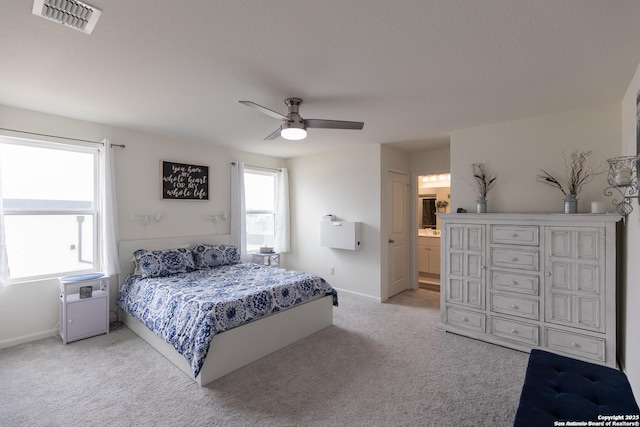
(293, 104)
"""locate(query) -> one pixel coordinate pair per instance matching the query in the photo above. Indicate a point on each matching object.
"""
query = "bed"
(219, 343)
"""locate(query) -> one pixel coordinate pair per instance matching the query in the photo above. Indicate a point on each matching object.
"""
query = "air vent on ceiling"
(72, 13)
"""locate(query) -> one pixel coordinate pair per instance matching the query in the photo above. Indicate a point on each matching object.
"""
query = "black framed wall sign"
(181, 181)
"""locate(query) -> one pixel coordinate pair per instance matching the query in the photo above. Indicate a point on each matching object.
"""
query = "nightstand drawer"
(516, 331)
(515, 235)
(578, 344)
(514, 282)
(520, 259)
(515, 306)
(466, 319)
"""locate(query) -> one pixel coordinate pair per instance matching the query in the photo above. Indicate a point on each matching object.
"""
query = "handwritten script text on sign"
(182, 181)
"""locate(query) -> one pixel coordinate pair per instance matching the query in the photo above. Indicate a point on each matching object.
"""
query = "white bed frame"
(237, 347)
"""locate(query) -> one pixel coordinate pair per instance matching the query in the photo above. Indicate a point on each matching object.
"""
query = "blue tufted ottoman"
(558, 388)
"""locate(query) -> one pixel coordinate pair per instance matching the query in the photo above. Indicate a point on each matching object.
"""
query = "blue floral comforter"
(188, 309)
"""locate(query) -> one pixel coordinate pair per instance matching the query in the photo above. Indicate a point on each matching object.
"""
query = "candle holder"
(623, 181)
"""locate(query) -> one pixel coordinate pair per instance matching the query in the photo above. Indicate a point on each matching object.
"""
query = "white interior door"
(398, 214)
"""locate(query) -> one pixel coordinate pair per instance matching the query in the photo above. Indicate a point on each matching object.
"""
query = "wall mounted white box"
(340, 235)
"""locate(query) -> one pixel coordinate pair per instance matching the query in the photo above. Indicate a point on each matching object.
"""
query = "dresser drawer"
(515, 282)
(526, 235)
(512, 258)
(515, 306)
(577, 344)
(466, 319)
(516, 331)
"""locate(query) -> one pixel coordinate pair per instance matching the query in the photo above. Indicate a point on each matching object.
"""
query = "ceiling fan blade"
(265, 110)
(333, 124)
(275, 134)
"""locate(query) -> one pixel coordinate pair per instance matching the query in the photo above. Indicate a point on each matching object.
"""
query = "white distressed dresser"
(532, 281)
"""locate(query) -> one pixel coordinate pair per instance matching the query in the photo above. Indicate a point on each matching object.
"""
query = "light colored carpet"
(378, 365)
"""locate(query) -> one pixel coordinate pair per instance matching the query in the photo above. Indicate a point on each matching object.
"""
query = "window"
(50, 208)
(260, 189)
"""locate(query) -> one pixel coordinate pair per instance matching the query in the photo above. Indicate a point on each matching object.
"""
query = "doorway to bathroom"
(433, 198)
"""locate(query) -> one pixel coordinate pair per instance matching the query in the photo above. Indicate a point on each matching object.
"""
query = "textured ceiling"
(412, 70)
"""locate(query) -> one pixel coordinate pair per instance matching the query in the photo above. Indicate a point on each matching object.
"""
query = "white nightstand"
(83, 317)
(272, 259)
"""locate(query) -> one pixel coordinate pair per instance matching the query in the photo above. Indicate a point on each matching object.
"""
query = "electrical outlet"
(332, 270)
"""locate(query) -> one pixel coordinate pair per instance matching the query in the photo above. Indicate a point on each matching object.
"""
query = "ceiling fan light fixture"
(293, 126)
(293, 131)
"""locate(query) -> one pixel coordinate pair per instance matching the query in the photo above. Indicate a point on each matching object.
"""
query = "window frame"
(94, 212)
(276, 176)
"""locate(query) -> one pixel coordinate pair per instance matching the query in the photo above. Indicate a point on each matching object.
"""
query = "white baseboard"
(376, 299)
(28, 338)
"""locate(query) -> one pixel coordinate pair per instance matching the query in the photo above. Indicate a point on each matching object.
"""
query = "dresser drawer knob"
(514, 307)
(575, 344)
(464, 319)
(514, 282)
(513, 235)
(514, 331)
(514, 259)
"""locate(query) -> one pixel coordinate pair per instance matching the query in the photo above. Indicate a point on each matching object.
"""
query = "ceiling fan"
(295, 127)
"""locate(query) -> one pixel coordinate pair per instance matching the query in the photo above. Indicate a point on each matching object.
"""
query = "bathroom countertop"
(428, 232)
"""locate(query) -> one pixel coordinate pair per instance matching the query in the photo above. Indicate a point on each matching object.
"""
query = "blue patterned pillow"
(164, 263)
(208, 256)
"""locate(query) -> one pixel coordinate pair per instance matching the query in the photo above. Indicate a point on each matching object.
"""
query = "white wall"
(345, 183)
(138, 185)
(430, 161)
(29, 311)
(517, 150)
(631, 279)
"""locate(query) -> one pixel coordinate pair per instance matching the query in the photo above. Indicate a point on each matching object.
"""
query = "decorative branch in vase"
(580, 171)
(483, 180)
